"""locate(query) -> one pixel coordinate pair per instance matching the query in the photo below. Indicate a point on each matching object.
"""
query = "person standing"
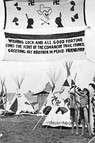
(73, 112)
(84, 110)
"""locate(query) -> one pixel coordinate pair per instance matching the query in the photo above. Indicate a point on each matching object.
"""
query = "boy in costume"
(73, 112)
(84, 110)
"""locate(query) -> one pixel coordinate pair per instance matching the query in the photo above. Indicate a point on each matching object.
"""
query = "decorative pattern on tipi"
(60, 113)
(3, 95)
(48, 104)
(58, 118)
(20, 104)
(68, 82)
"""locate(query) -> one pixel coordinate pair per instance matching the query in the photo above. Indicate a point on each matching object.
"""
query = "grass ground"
(18, 129)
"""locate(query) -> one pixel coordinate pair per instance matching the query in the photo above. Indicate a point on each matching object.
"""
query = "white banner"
(22, 47)
(23, 14)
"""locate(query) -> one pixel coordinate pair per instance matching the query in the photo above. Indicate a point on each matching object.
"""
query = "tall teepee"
(20, 104)
(47, 106)
(2, 108)
(60, 113)
(3, 96)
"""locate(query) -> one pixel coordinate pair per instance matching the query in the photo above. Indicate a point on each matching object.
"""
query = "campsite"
(47, 59)
(33, 127)
(18, 129)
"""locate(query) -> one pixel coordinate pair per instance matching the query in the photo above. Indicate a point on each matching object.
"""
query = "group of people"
(80, 110)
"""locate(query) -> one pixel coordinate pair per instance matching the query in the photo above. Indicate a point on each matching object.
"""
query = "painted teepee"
(60, 113)
(48, 104)
(2, 96)
(68, 82)
(20, 104)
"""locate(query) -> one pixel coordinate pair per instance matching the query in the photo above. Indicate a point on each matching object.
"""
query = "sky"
(36, 73)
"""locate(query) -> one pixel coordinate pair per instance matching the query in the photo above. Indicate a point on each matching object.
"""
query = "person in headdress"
(30, 22)
(84, 110)
(58, 20)
(92, 105)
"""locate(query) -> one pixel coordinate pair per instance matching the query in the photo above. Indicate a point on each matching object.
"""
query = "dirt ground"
(18, 129)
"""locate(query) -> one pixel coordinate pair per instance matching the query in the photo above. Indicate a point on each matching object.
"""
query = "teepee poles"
(18, 82)
(68, 66)
(54, 78)
(39, 121)
(2, 87)
(3, 93)
(37, 124)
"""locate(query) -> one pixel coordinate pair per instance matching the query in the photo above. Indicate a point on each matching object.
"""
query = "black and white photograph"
(47, 71)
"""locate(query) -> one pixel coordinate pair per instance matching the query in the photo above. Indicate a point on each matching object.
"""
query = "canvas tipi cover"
(20, 105)
(58, 116)
(60, 113)
(3, 92)
(48, 104)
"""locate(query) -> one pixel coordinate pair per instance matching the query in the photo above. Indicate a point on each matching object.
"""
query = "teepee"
(47, 106)
(20, 104)
(60, 113)
(2, 96)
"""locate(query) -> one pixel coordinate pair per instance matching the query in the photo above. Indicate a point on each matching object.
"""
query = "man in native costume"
(84, 110)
